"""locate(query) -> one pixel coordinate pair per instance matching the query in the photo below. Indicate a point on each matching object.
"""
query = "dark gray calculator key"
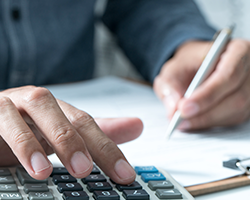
(94, 178)
(5, 172)
(11, 196)
(106, 195)
(95, 170)
(41, 196)
(168, 194)
(35, 188)
(94, 186)
(135, 194)
(63, 179)
(133, 186)
(59, 171)
(62, 187)
(76, 195)
(8, 188)
(6, 179)
(154, 185)
(24, 177)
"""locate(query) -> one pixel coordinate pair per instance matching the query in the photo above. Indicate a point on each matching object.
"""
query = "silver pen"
(204, 71)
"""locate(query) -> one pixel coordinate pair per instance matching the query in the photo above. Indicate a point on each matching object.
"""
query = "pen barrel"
(210, 60)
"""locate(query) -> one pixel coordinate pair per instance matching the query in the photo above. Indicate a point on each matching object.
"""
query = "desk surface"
(232, 194)
(119, 91)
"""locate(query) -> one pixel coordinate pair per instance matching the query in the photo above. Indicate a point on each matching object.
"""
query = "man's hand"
(223, 99)
(34, 124)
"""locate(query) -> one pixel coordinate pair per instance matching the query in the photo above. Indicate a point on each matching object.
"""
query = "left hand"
(223, 99)
(119, 130)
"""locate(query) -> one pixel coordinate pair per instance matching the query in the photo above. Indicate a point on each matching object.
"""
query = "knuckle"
(156, 81)
(157, 84)
(81, 119)
(37, 94)
(106, 147)
(64, 136)
(5, 101)
(29, 87)
(21, 138)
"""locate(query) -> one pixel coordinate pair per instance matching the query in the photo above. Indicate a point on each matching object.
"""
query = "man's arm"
(149, 31)
(167, 41)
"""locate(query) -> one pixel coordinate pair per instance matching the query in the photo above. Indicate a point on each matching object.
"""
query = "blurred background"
(110, 59)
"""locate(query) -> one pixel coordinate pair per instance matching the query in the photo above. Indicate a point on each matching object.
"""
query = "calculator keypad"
(6, 179)
(98, 186)
(150, 184)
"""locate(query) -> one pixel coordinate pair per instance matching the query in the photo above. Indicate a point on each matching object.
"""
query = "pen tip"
(173, 124)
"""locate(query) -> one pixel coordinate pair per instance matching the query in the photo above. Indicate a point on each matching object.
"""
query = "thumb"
(177, 73)
(120, 130)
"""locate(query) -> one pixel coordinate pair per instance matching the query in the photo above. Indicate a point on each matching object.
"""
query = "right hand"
(34, 124)
(223, 99)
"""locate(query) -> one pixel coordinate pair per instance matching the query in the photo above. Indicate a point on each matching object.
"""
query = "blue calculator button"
(145, 169)
(152, 177)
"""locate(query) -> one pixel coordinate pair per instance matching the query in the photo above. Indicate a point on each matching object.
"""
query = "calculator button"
(145, 169)
(133, 186)
(168, 194)
(63, 179)
(6, 179)
(152, 177)
(41, 196)
(153, 185)
(35, 188)
(135, 194)
(93, 186)
(106, 195)
(5, 172)
(62, 187)
(8, 188)
(59, 171)
(94, 178)
(95, 170)
(24, 177)
(76, 195)
(11, 196)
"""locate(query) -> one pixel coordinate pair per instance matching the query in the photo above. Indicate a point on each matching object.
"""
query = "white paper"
(191, 158)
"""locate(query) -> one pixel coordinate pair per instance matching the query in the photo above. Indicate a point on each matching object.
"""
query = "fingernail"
(184, 125)
(124, 170)
(80, 163)
(39, 162)
(190, 109)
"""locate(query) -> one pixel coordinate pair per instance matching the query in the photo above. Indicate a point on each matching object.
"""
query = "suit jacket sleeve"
(149, 31)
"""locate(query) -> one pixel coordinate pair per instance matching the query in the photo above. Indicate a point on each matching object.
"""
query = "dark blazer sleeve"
(149, 31)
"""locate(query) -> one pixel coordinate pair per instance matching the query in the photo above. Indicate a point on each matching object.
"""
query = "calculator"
(151, 183)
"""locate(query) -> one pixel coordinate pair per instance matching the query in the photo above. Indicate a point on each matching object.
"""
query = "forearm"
(150, 31)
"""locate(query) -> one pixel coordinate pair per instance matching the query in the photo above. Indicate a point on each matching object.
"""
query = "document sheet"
(191, 158)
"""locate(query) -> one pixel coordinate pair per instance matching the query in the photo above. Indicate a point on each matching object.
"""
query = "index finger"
(103, 150)
(42, 108)
(227, 77)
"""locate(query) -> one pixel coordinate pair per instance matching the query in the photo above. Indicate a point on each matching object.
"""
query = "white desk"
(187, 167)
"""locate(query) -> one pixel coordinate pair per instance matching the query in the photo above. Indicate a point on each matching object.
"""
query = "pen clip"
(237, 164)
